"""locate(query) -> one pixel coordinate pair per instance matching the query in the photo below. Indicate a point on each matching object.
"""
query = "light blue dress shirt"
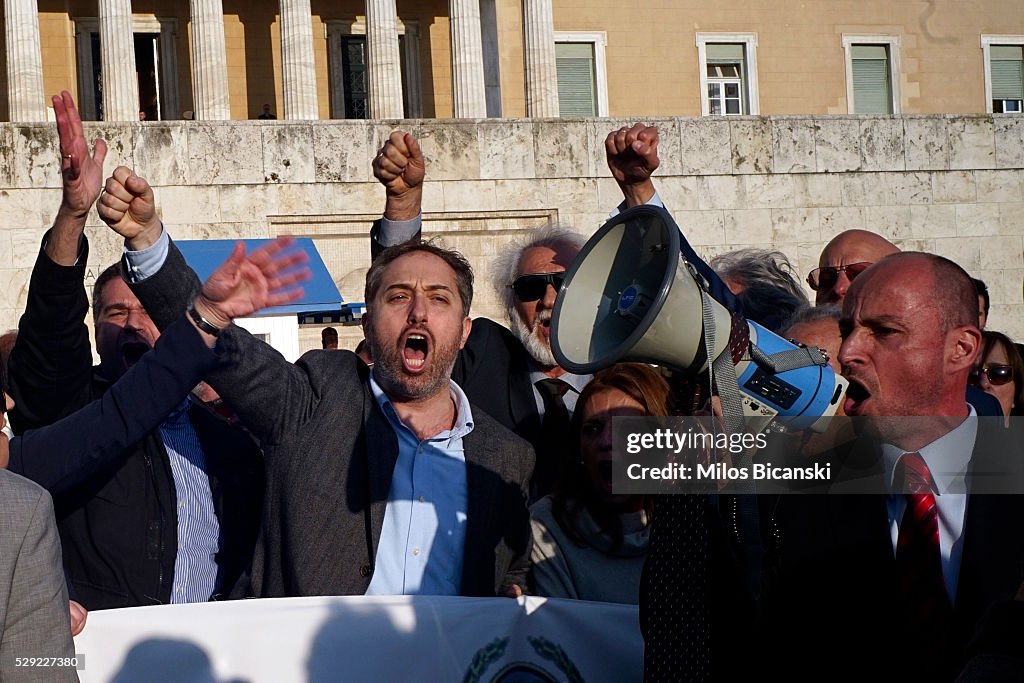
(423, 537)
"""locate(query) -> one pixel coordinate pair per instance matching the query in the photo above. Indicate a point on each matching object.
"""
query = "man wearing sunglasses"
(848, 255)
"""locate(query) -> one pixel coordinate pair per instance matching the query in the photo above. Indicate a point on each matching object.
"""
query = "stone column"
(117, 61)
(541, 74)
(383, 64)
(209, 61)
(469, 97)
(299, 71)
(25, 95)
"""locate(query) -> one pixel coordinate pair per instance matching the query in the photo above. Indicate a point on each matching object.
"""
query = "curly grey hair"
(767, 266)
(506, 266)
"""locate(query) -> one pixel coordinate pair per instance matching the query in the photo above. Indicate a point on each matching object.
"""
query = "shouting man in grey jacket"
(382, 482)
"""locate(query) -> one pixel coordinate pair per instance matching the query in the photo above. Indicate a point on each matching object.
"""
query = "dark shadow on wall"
(257, 21)
(425, 13)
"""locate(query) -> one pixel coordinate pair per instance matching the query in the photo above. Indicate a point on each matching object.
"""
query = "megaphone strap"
(783, 361)
(722, 365)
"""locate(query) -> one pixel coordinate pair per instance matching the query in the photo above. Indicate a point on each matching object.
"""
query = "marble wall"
(953, 185)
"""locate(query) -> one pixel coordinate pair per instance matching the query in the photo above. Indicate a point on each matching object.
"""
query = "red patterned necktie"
(925, 600)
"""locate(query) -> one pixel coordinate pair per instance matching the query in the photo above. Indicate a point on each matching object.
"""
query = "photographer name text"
(723, 472)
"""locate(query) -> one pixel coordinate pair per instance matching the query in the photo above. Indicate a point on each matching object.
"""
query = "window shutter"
(577, 85)
(1007, 72)
(724, 53)
(872, 93)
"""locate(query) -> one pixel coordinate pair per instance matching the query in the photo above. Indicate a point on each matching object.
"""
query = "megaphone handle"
(784, 361)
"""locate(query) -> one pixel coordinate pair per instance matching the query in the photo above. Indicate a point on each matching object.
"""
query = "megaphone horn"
(631, 296)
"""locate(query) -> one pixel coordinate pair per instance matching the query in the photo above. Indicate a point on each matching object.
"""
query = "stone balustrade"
(953, 185)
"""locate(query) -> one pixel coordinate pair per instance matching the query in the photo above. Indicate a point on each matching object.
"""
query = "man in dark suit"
(175, 520)
(893, 586)
(385, 482)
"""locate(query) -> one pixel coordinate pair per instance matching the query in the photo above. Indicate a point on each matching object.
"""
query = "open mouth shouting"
(415, 351)
(856, 395)
(132, 352)
(542, 325)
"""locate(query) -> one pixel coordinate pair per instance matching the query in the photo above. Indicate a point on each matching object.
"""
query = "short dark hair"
(456, 261)
(112, 271)
(955, 293)
(982, 288)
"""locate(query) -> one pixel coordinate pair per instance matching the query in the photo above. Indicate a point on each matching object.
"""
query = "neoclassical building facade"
(783, 122)
(393, 59)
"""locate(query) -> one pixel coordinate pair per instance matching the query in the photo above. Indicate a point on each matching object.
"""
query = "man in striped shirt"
(175, 519)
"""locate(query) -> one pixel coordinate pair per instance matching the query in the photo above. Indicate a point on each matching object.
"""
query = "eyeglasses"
(825, 278)
(531, 287)
(998, 375)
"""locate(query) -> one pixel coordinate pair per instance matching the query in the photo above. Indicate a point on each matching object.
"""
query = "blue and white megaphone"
(631, 295)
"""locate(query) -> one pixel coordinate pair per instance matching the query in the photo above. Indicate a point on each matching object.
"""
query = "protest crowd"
(452, 455)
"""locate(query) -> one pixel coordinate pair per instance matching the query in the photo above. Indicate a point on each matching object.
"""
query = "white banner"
(289, 640)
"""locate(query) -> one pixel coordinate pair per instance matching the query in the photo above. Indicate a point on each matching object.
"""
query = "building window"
(1004, 73)
(155, 64)
(728, 73)
(726, 70)
(872, 74)
(582, 80)
(353, 68)
(349, 79)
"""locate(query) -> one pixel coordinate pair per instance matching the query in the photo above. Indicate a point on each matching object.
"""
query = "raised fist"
(632, 154)
(127, 205)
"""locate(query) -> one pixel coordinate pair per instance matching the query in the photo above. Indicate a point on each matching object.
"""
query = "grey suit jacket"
(34, 617)
(330, 455)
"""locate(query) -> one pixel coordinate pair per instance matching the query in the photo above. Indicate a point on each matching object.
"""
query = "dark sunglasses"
(825, 278)
(998, 375)
(531, 287)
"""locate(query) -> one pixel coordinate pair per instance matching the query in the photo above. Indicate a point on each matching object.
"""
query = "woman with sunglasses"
(1000, 372)
(588, 543)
